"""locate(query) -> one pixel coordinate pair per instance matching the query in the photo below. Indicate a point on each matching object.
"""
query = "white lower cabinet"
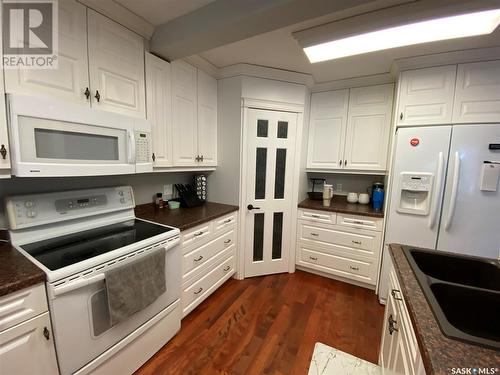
(399, 352)
(26, 343)
(209, 259)
(340, 245)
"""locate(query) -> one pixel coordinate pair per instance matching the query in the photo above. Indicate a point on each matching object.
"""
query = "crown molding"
(371, 80)
(445, 58)
(265, 72)
(122, 15)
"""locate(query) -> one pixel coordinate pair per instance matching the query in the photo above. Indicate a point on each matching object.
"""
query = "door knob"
(251, 207)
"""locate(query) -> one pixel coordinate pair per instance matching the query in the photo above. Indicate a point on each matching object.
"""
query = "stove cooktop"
(59, 252)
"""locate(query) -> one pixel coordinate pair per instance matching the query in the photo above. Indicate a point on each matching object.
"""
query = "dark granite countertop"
(184, 218)
(439, 353)
(339, 204)
(16, 271)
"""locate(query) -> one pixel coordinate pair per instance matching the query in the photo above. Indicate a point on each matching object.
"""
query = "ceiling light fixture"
(478, 23)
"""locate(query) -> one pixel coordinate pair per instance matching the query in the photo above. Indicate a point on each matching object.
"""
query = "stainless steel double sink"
(463, 292)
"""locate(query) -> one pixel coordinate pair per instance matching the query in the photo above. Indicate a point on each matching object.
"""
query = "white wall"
(145, 185)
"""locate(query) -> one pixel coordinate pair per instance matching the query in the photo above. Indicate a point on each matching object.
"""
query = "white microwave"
(52, 138)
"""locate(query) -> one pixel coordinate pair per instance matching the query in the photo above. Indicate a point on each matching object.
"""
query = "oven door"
(58, 139)
(80, 317)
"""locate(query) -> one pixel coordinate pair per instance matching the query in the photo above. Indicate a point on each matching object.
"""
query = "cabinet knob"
(227, 268)
(87, 93)
(3, 152)
(340, 162)
(201, 158)
(197, 158)
(391, 322)
(401, 116)
(46, 333)
(153, 157)
(345, 163)
(97, 96)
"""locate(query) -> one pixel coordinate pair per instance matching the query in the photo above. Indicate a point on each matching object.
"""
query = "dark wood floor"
(269, 325)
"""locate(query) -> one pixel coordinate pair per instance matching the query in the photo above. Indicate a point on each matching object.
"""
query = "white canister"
(327, 194)
(364, 198)
(352, 197)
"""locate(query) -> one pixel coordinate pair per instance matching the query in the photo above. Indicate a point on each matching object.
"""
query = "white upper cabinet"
(159, 108)
(327, 129)
(207, 119)
(184, 114)
(70, 80)
(4, 138)
(426, 96)
(368, 127)
(116, 67)
(477, 93)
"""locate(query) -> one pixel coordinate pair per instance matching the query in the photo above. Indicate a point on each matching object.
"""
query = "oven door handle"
(77, 284)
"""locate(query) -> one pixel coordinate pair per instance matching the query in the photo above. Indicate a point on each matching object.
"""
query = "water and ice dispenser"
(415, 193)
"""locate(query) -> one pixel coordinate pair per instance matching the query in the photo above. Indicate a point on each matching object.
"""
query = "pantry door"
(270, 148)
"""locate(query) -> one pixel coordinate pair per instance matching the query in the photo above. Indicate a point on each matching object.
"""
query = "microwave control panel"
(142, 147)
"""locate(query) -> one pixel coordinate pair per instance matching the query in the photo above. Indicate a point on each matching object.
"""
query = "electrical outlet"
(338, 187)
(168, 191)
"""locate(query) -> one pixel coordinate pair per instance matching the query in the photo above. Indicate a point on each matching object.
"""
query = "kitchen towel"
(134, 286)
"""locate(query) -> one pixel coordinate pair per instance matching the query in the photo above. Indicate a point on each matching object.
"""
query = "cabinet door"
(477, 94)
(28, 348)
(426, 96)
(4, 139)
(71, 78)
(159, 108)
(388, 344)
(368, 128)
(116, 66)
(184, 114)
(207, 119)
(327, 129)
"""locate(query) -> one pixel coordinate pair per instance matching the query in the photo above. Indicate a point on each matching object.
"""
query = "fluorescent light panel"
(478, 23)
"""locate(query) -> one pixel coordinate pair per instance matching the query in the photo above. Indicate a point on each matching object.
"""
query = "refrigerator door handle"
(439, 184)
(454, 190)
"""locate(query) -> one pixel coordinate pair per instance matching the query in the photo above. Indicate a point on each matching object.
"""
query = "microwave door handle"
(438, 186)
(131, 147)
(454, 191)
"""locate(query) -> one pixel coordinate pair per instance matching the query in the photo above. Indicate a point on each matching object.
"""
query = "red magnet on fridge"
(415, 142)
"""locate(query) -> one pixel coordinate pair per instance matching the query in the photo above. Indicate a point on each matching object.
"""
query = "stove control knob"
(120, 193)
(31, 213)
(29, 204)
(122, 200)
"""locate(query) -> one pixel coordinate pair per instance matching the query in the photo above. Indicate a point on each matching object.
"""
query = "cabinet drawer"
(318, 216)
(361, 239)
(356, 269)
(194, 259)
(198, 291)
(196, 235)
(225, 222)
(360, 222)
(22, 305)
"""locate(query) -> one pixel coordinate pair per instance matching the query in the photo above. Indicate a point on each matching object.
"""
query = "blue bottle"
(378, 199)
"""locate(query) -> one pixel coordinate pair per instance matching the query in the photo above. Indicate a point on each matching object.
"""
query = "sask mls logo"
(29, 30)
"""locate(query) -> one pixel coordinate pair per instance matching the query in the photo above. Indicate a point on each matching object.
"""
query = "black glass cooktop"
(63, 251)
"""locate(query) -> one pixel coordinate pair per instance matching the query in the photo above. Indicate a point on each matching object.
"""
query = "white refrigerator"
(445, 192)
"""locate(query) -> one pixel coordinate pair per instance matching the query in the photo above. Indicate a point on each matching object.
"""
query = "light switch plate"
(167, 191)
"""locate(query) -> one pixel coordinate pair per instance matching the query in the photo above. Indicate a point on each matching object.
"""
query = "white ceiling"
(279, 50)
(157, 12)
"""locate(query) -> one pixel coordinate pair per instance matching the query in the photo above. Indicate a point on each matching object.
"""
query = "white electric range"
(75, 237)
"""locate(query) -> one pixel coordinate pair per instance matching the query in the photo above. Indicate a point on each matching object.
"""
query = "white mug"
(364, 198)
(352, 197)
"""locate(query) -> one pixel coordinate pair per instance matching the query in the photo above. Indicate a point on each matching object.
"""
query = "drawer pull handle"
(391, 325)
(354, 268)
(313, 258)
(227, 268)
(395, 296)
(356, 242)
(46, 333)
(198, 233)
(227, 241)
(199, 291)
(358, 222)
(199, 258)
(315, 234)
(227, 221)
(315, 216)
